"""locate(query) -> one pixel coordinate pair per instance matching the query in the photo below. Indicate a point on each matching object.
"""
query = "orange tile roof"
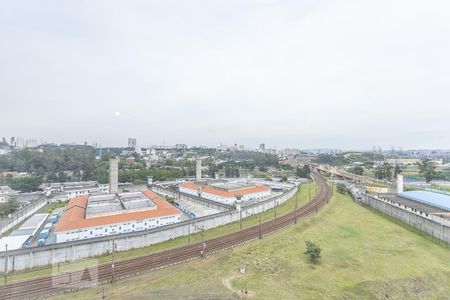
(227, 194)
(74, 215)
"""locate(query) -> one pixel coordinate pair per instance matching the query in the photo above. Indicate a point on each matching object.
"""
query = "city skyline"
(25, 142)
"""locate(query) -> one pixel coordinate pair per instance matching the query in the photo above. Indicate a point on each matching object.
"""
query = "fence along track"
(43, 286)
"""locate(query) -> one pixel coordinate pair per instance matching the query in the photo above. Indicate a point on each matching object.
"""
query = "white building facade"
(116, 228)
(216, 195)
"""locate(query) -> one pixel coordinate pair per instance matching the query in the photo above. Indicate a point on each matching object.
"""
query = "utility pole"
(240, 219)
(189, 231)
(112, 260)
(260, 225)
(332, 186)
(296, 208)
(203, 242)
(309, 188)
(276, 204)
(6, 263)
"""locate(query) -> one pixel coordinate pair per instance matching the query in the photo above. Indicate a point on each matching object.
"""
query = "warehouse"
(103, 215)
(226, 192)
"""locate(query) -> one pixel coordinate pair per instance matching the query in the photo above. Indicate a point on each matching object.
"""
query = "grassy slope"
(303, 197)
(364, 256)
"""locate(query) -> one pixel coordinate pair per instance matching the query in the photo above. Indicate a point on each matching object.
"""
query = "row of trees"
(250, 159)
(387, 171)
(231, 170)
(52, 164)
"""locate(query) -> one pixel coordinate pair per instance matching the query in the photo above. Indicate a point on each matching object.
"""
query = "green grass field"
(303, 197)
(443, 188)
(364, 256)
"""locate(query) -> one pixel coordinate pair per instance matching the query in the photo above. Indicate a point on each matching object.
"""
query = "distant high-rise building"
(181, 146)
(20, 142)
(132, 143)
(262, 147)
(4, 140)
(13, 141)
(31, 143)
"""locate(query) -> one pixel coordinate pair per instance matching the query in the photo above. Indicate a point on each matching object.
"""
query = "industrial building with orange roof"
(226, 192)
(103, 215)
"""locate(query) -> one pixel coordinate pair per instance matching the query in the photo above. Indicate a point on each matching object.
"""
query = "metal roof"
(34, 221)
(26, 231)
(112, 203)
(435, 199)
(13, 242)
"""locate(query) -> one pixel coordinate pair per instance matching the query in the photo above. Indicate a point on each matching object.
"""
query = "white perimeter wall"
(70, 251)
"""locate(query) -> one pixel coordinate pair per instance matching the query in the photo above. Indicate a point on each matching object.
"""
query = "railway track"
(51, 285)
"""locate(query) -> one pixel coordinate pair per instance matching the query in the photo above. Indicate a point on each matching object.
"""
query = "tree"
(358, 170)
(26, 184)
(9, 207)
(313, 252)
(398, 170)
(341, 188)
(427, 169)
(284, 179)
(304, 171)
(231, 170)
(212, 170)
(384, 171)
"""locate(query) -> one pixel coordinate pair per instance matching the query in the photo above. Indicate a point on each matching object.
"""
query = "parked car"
(44, 233)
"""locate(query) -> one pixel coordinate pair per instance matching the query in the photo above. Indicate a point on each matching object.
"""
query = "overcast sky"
(306, 74)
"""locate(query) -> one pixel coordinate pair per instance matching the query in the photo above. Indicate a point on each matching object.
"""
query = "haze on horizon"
(304, 74)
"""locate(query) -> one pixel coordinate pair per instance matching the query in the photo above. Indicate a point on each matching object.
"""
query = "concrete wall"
(433, 225)
(69, 251)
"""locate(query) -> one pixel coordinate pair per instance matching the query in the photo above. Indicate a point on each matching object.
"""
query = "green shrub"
(341, 188)
(313, 252)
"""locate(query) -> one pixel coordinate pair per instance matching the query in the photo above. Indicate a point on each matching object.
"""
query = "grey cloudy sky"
(341, 74)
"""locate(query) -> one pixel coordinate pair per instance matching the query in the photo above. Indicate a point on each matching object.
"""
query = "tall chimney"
(113, 175)
(198, 170)
(399, 183)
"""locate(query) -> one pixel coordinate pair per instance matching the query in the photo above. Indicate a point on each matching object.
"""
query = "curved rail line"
(51, 285)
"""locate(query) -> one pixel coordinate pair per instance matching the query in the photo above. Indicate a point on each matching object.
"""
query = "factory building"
(226, 193)
(104, 215)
